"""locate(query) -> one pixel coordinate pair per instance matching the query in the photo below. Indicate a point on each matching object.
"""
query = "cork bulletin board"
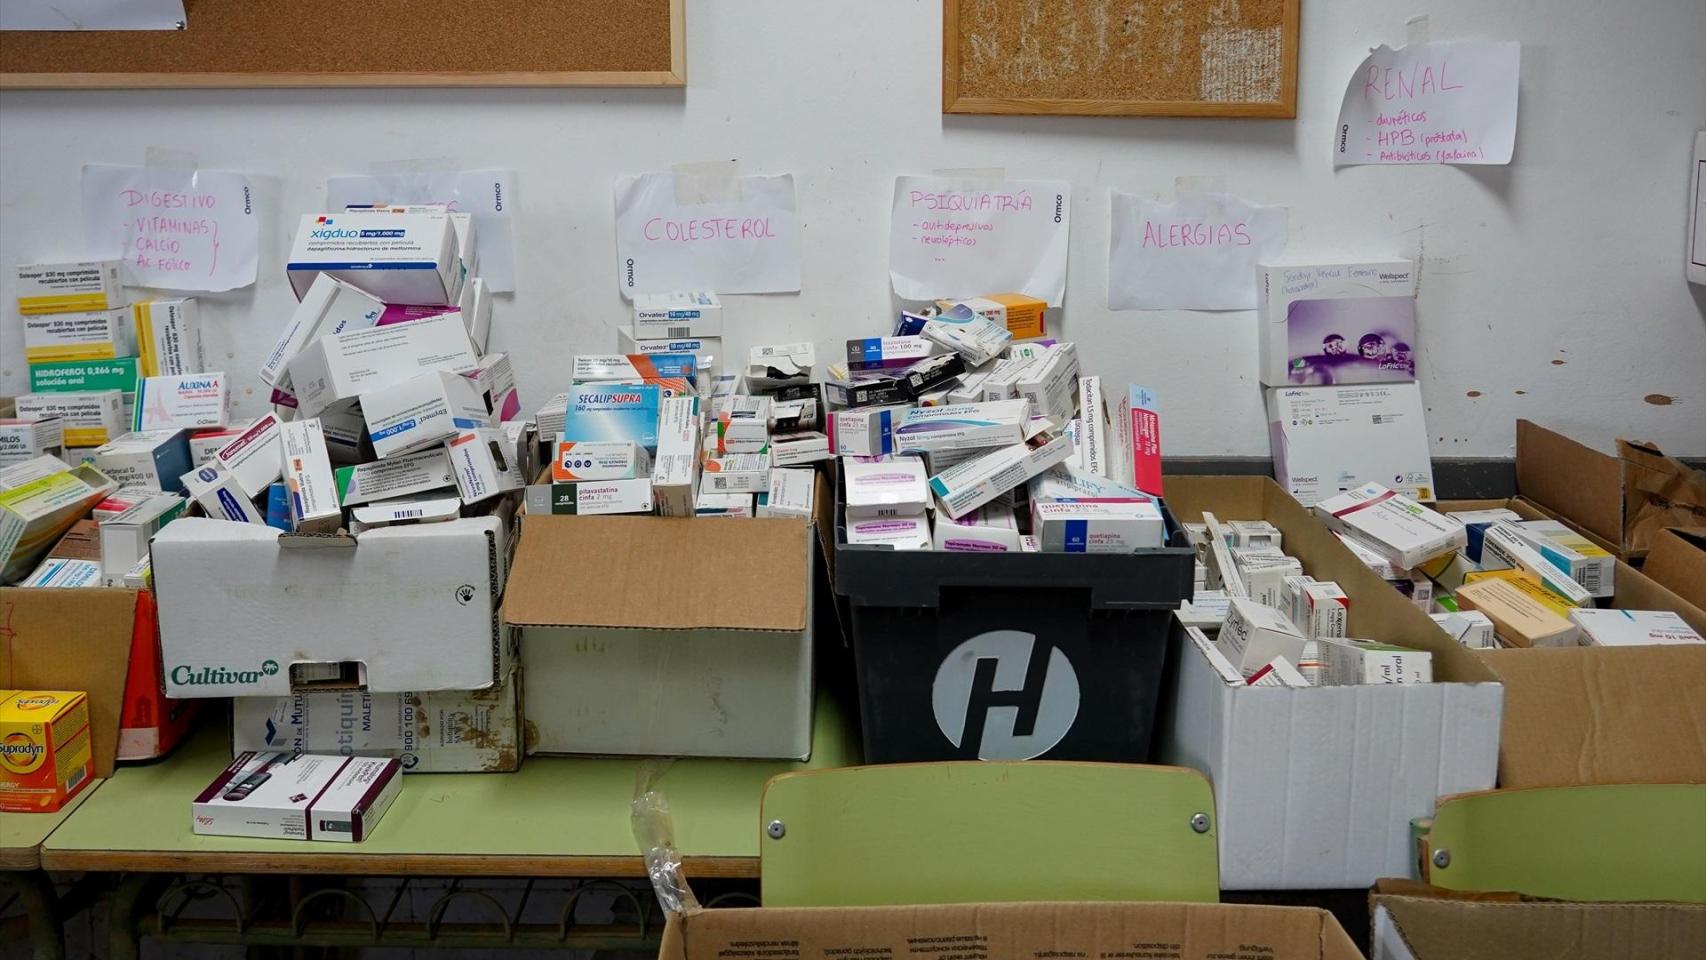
(368, 43)
(1162, 58)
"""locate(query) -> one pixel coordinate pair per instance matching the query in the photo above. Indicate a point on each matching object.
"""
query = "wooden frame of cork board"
(372, 43)
(1135, 58)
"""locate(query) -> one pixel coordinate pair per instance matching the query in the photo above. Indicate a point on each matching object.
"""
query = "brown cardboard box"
(71, 640)
(1009, 931)
(1413, 921)
(1677, 561)
(1619, 501)
(1598, 714)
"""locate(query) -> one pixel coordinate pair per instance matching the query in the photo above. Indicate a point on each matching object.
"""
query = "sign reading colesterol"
(746, 240)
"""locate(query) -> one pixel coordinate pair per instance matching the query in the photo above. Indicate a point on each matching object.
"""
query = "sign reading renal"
(174, 229)
(1452, 101)
(744, 239)
(951, 238)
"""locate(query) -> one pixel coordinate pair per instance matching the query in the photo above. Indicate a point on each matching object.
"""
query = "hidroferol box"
(92, 335)
(899, 533)
(1329, 439)
(397, 477)
(894, 488)
(421, 411)
(168, 332)
(675, 469)
(148, 458)
(1627, 628)
(971, 484)
(398, 258)
(962, 426)
(69, 287)
(182, 401)
(253, 455)
(590, 498)
(1023, 316)
(329, 306)
(605, 412)
(1393, 526)
(220, 495)
(343, 366)
(792, 493)
(1116, 526)
(485, 464)
(988, 529)
(24, 439)
(1365, 661)
(45, 757)
(309, 481)
(91, 418)
(1337, 323)
(677, 316)
(1255, 633)
(298, 797)
(119, 373)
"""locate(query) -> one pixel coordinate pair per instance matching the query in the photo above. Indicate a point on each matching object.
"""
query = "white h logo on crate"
(1005, 695)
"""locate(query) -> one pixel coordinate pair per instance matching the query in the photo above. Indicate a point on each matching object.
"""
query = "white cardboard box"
(1327, 440)
(307, 797)
(422, 411)
(396, 257)
(329, 306)
(245, 608)
(343, 366)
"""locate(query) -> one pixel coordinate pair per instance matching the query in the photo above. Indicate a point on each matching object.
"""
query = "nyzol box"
(182, 401)
(44, 749)
(169, 335)
(1337, 323)
(343, 366)
(675, 316)
(394, 609)
(401, 476)
(448, 731)
(421, 412)
(329, 306)
(398, 258)
(962, 426)
(1395, 527)
(69, 287)
(1327, 440)
(722, 668)
(148, 458)
(26, 439)
(298, 797)
(91, 418)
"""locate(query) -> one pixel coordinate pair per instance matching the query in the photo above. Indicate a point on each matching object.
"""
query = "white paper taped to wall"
(1453, 101)
(956, 237)
(749, 244)
(1199, 253)
(92, 15)
(174, 228)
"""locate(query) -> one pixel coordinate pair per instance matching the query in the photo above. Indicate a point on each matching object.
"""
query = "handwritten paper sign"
(1197, 254)
(489, 195)
(741, 238)
(1452, 101)
(952, 237)
(175, 229)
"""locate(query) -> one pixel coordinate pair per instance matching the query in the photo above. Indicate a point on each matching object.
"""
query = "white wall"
(1550, 289)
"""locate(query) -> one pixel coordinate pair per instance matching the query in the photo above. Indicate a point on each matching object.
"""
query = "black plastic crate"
(1011, 656)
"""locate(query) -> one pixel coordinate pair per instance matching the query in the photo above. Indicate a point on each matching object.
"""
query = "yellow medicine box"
(44, 749)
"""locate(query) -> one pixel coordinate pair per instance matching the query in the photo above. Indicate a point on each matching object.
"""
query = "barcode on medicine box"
(680, 332)
(409, 514)
(76, 777)
(1589, 579)
(720, 483)
(1378, 419)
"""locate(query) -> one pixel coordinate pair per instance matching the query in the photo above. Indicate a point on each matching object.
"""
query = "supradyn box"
(298, 797)
(398, 258)
(69, 287)
(961, 426)
(676, 316)
(182, 401)
(1337, 323)
(421, 411)
(91, 418)
(607, 413)
(45, 756)
(329, 306)
(168, 332)
(1334, 438)
(94, 335)
(343, 366)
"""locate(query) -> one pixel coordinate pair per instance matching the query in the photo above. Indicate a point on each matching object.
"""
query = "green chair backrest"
(981, 832)
(1622, 842)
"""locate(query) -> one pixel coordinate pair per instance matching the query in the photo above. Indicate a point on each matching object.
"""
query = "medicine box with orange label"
(44, 749)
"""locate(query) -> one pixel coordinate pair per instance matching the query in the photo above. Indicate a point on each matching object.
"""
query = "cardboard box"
(1413, 921)
(253, 455)
(1327, 440)
(298, 797)
(676, 316)
(972, 484)
(69, 287)
(1334, 813)
(403, 476)
(119, 373)
(91, 418)
(706, 652)
(329, 306)
(309, 483)
(421, 412)
(1677, 561)
(96, 335)
(1337, 323)
(1626, 628)
(343, 366)
(1024, 317)
(394, 609)
(168, 333)
(149, 458)
(1518, 619)
(397, 258)
(962, 426)
(124, 538)
(44, 741)
(448, 731)
(591, 498)
(186, 401)
(1397, 528)
(1014, 930)
(26, 439)
(35, 513)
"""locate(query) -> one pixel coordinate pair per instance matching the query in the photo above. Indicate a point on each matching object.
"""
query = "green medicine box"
(119, 374)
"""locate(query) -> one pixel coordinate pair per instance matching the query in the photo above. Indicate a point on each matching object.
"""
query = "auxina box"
(45, 756)
(182, 401)
(445, 731)
(69, 287)
(722, 668)
(1327, 440)
(298, 797)
(398, 258)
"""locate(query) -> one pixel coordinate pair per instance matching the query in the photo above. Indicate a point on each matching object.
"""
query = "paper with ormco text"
(1451, 101)
(489, 196)
(175, 229)
(672, 234)
(954, 237)
(1199, 253)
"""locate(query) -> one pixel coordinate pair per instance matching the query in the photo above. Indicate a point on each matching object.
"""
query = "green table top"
(21, 834)
(557, 816)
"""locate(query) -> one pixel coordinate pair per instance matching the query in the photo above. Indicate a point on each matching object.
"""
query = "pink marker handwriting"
(1163, 236)
(972, 201)
(718, 228)
(1397, 83)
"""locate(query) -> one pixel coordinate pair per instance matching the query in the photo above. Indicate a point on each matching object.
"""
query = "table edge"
(381, 864)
